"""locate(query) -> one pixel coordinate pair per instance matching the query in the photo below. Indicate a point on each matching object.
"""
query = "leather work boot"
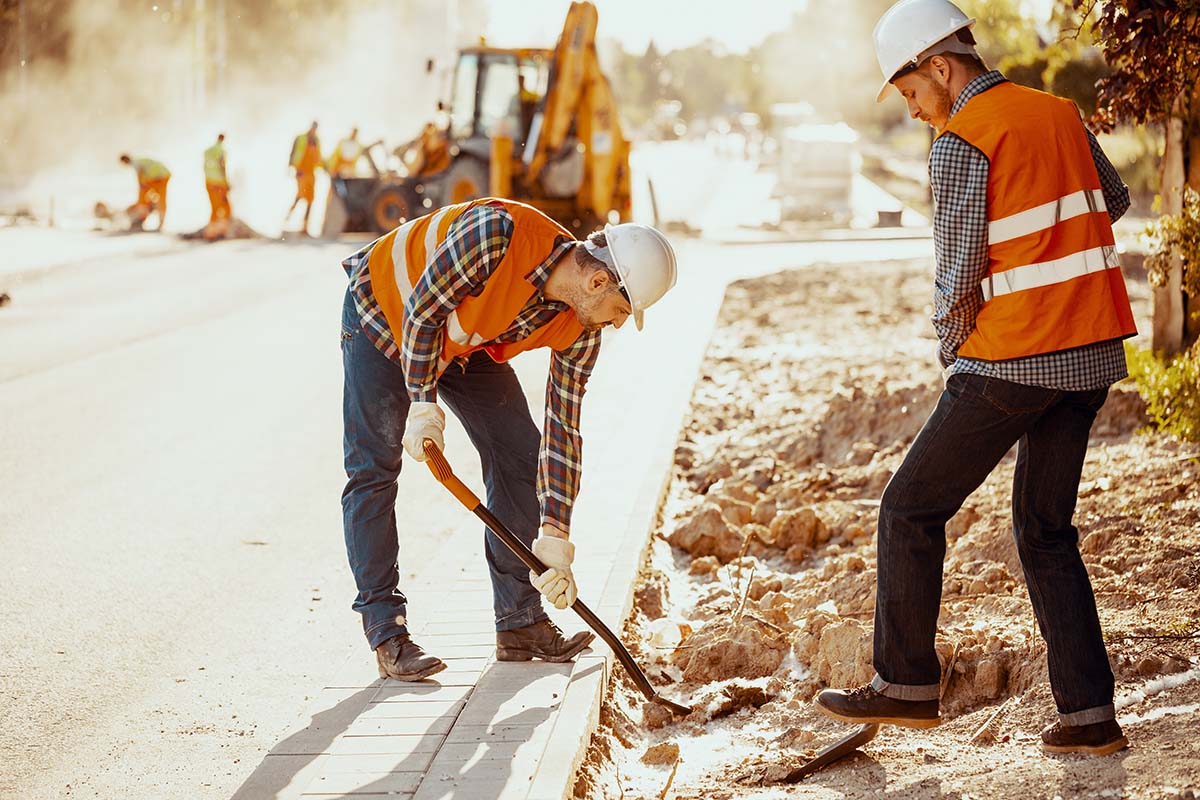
(1097, 739)
(540, 640)
(403, 659)
(863, 704)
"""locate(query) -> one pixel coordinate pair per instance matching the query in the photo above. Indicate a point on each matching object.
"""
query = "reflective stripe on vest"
(1047, 273)
(1054, 280)
(398, 259)
(1046, 215)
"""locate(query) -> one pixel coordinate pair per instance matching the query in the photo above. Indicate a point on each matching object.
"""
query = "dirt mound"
(797, 423)
(728, 649)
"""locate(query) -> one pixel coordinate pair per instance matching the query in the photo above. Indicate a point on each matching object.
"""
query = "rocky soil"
(758, 589)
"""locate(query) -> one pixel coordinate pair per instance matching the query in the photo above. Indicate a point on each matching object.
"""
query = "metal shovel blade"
(834, 752)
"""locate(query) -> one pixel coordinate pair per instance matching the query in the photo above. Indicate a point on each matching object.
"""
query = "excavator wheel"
(466, 179)
(392, 206)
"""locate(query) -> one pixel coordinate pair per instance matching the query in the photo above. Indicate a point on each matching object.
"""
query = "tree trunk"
(1169, 301)
(1191, 304)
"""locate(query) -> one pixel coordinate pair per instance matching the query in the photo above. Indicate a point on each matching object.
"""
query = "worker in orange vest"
(152, 178)
(305, 158)
(1030, 309)
(434, 312)
(216, 183)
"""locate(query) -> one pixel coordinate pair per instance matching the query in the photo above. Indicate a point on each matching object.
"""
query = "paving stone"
(499, 732)
(397, 745)
(393, 726)
(354, 783)
(425, 691)
(378, 762)
(435, 709)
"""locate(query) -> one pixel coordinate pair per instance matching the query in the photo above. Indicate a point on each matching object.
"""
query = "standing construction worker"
(305, 158)
(152, 177)
(434, 311)
(343, 162)
(1030, 309)
(217, 185)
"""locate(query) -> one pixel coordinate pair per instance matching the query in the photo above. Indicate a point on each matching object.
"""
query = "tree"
(1153, 49)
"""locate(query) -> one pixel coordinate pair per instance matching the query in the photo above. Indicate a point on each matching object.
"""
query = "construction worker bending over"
(305, 158)
(217, 185)
(152, 177)
(434, 311)
(1030, 309)
(343, 162)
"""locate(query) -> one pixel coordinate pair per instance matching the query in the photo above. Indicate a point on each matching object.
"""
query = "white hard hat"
(912, 30)
(643, 260)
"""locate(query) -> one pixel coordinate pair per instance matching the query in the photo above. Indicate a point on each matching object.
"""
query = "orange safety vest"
(1054, 280)
(398, 259)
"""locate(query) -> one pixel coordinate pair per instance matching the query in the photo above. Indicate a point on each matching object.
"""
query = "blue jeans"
(976, 421)
(487, 398)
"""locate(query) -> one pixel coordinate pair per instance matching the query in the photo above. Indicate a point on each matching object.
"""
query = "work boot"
(1097, 739)
(863, 704)
(403, 659)
(540, 640)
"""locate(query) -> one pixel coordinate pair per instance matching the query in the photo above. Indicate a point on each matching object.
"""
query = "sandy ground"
(758, 589)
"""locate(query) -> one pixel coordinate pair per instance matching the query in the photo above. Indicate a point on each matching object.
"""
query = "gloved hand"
(557, 583)
(425, 421)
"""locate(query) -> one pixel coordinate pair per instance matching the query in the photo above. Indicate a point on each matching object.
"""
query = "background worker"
(434, 311)
(217, 185)
(305, 158)
(343, 162)
(152, 177)
(1030, 309)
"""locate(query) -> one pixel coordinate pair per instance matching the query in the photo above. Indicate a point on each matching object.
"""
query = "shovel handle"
(441, 470)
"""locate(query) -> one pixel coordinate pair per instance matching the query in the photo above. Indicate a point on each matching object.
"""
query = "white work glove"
(425, 421)
(557, 583)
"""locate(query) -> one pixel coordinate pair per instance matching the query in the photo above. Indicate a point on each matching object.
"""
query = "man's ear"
(939, 68)
(598, 280)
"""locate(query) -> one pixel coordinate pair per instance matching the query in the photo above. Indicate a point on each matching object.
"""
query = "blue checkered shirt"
(958, 173)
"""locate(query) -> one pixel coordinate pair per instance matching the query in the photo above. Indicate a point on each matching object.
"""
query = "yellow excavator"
(535, 125)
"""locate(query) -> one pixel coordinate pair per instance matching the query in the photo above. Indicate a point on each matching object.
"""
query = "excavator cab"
(495, 93)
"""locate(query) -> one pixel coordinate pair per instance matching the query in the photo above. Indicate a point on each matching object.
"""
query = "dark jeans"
(976, 422)
(487, 398)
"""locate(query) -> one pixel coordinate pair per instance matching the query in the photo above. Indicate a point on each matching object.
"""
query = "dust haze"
(163, 79)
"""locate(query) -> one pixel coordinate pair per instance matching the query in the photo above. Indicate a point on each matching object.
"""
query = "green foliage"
(1171, 389)
(1177, 234)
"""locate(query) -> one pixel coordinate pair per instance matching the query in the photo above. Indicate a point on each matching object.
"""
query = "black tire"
(391, 207)
(465, 179)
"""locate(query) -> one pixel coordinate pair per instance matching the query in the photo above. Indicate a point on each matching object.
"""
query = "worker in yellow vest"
(434, 312)
(343, 162)
(152, 178)
(1030, 309)
(216, 183)
(305, 158)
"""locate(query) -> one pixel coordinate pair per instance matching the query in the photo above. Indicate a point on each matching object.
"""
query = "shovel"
(834, 752)
(441, 470)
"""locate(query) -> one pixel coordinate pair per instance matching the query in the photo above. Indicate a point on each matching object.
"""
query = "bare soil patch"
(758, 589)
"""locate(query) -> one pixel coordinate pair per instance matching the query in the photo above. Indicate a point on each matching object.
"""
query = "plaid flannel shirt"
(475, 244)
(958, 174)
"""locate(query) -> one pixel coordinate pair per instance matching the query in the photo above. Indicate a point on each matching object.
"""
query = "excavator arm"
(579, 101)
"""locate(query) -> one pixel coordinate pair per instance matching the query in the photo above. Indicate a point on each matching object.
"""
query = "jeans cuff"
(522, 617)
(1089, 716)
(899, 691)
(385, 629)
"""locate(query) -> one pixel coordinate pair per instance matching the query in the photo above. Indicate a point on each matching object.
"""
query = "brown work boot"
(863, 704)
(540, 640)
(1097, 739)
(403, 659)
